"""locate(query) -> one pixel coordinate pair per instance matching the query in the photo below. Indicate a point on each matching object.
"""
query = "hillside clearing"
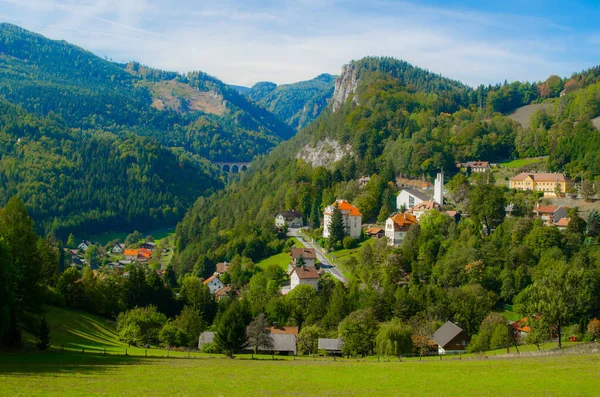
(519, 163)
(523, 114)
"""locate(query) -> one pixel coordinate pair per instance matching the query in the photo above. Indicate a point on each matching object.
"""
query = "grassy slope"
(282, 259)
(73, 374)
(522, 162)
(523, 114)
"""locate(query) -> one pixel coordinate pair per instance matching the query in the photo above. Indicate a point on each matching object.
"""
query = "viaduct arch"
(232, 166)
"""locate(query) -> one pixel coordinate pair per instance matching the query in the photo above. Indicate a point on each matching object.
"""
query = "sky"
(246, 41)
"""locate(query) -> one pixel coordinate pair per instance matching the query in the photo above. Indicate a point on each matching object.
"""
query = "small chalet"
(450, 338)
(408, 198)
(563, 223)
(149, 245)
(84, 245)
(397, 226)
(289, 218)
(304, 275)
(421, 209)
(222, 267)
(331, 346)
(475, 166)
(118, 249)
(550, 213)
(131, 254)
(375, 232)
(520, 328)
(214, 283)
(308, 256)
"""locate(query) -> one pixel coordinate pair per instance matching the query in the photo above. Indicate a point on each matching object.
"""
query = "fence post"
(125, 351)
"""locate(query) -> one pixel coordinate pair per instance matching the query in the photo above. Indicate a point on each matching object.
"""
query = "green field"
(522, 162)
(73, 374)
(282, 259)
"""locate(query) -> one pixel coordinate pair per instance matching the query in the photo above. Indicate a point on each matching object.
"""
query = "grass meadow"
(83, 368)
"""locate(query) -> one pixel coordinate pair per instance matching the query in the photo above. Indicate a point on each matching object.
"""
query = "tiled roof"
(374, 230)
(211, 278)
(563, 222)
(146, 253)
(130, 252)
(425, 206)
(540, 177)
(344, 206)
(306, 253)
(546, 209)
(306, 273)
(278, 329)
(222, 267)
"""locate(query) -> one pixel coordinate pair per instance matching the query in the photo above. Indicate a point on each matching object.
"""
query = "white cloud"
(245, 42)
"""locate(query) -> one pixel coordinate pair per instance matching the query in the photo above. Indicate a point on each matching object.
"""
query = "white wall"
(407, 200)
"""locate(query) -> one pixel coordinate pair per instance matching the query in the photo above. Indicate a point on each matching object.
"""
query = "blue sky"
(246, 41)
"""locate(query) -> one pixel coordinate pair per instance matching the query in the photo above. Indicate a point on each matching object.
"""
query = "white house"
(83, 246)
(214, 283)
(304, 275)
(351, 215)
(408, 198)
(421, 209)
(291, 218)
(397, 226)
(476, 166)
(118, 248)
(308, 255)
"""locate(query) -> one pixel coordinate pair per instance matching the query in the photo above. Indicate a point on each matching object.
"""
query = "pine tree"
(315, 213)
(71, 242)
(337, 230)
(43, 335)
(230, 335)
(593, 224)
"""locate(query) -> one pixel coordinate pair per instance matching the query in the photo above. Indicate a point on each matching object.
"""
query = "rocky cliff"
(345, 86)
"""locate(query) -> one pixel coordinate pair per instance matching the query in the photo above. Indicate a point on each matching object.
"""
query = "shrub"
(140, 326)
(349, 242)
(593, 328)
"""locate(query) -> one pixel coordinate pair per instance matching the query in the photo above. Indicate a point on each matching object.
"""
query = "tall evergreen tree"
(43, 335)
(230, 335)
(337, 230)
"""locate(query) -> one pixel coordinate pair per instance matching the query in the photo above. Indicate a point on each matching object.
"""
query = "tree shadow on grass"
(23, 363)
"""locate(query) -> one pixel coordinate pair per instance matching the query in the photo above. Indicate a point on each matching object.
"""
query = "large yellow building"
(541, 182)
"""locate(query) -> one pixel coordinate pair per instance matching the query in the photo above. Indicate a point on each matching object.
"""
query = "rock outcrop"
(324, 153)
(345, 85)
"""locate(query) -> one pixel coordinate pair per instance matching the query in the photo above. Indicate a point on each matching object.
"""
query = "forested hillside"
(297, 104)
(194, 111)
(92, 181)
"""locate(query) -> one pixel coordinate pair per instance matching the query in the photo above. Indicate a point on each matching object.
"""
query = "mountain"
(87, 182)
(387, 118)
(297, 104)
(195, 111)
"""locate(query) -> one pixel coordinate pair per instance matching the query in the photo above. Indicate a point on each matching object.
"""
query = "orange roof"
(550, 209)
(564, 222)
(345, 206)
(374, 230)
(211, 278)
(401, 219)
(146, 253)
(130, 252)
(278, 329)
(306, 253)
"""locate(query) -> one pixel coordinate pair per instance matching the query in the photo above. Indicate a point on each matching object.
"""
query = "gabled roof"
(222, 267)
(546, 209)
(289, 214)
(374, 230)
(446, 333)
(416, 193)
(344, 206)
(278, 329)
(425, 206)
(563, 222)
(306, 273)
(306, 253)
(131, 252)
(283, 343)
(146, 253)
(331, 344)
(211, 278)
(402, 220)
(540, 177)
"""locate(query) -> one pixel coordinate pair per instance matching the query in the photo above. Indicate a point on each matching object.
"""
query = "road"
(326, 264)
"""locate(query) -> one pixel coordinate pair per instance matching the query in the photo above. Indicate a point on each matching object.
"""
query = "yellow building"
(541, 182)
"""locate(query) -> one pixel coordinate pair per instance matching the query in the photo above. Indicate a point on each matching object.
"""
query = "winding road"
(326, 264)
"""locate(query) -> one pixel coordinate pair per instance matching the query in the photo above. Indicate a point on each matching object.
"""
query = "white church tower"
(438, 189)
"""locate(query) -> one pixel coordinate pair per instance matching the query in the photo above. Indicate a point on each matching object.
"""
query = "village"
(310, 262)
